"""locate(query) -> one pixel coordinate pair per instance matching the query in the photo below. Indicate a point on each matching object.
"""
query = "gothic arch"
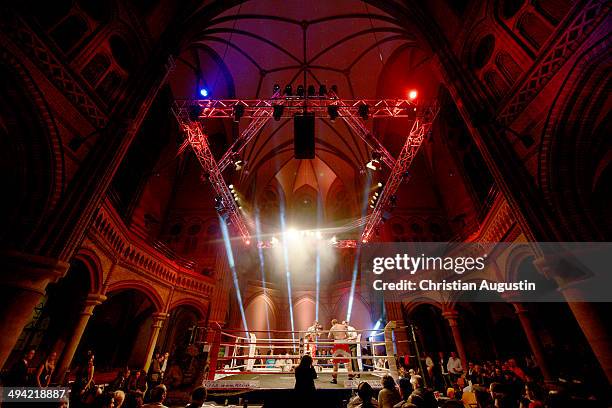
(96, 272)
(147, 289)
(31, 157)
(573, 141)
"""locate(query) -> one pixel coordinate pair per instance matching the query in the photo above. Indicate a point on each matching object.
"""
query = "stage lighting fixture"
(376, 194)
(288, 90)
(412, 94)
(374, 164)
(332, 111)
(371, 205)
(311, 90)
(277, 112)
(364, 111)
(204, 92)
(238, 164)
(275, 89)
(238, 112)
(194, 112)
(322, 90)
(379, 184)
(231, 187)
(333, 240)
(300, 91)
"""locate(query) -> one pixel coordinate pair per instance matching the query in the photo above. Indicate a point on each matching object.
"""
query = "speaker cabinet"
(304, 136)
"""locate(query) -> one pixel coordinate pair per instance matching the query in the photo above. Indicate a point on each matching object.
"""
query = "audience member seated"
(405, 388)
(158, 395)
(388, 395)
(198, 396)
(421, 397)
(364, 398)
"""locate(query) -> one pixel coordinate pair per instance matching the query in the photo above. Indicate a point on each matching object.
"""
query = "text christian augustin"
(403, 265)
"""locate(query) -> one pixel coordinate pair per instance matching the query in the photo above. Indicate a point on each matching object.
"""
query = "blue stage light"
(204, 92)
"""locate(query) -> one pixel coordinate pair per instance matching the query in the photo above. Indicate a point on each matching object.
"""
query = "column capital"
(451, 315)
(31, 272)
(92, 300)
(160, 316)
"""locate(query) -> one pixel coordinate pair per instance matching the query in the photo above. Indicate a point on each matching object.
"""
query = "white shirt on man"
(454, 365)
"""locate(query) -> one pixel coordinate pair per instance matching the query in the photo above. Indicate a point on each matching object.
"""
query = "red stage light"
(412, 94)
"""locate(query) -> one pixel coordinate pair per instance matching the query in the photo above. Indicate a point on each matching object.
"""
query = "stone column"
(93, 300)
(393, 305)
(452, 317)
(596, 330)
(158, 320)
(534, 343)
(22, 285)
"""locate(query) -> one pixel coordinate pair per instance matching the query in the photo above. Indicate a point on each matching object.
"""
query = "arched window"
(496, 84)
(121, 53)
(96, 68)
(535, 30)
(508, 67)
(553, 10)
(483, 51)
(69, 32)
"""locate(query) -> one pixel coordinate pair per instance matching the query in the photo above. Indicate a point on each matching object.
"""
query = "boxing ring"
(266, 359)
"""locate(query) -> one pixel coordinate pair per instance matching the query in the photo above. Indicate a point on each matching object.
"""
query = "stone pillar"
(393, 306)
(593, 325)
(158, 320)
(22, 284)
(534, 343)
(452, 317)
(93, 300)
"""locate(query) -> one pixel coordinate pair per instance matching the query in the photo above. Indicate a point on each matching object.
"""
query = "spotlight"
(248, 242)
(288, 90)
(379, 184)
(204, 92)
(376, 194)
(412, 94)
(238, 164)
(231, 186)
(333, 240)
(322, 90)
(332, 111)
(300, 91)
(311, 90)
(364, 111)
(238, 112)
(374, 164)
(371, 205)
(276, 89)
(278, 112)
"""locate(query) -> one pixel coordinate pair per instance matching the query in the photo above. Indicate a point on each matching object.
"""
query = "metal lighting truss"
(420, 129)
(199, 142)
(224, 108)
(261, 110)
